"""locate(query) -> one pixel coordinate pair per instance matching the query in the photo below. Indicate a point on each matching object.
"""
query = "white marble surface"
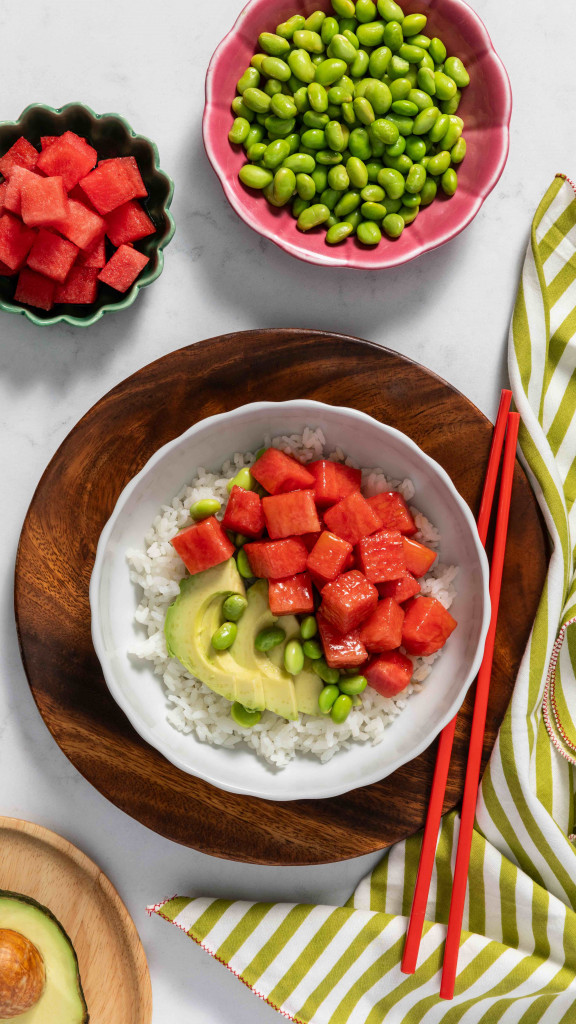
(147, 61)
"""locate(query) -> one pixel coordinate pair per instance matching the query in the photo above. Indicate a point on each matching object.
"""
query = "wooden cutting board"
(111, 961)
(76, 496)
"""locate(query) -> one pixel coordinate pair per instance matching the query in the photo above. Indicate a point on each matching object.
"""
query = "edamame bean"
(372, 34)
(339, 232)
(439, 129)
(293, 657)
(341, 708)
(272, 87)
(234, 607)
(320, 177)
(437, 50)
(327, 674)
(309, 41)
(405, 107)
(439, 163)
(279, 127)
(243, 565)
(308, 627)
(337, 136)
(345, 8)
(452, 135)
(400, 88)
(428, 63)
(328, 695)
(415, 148)
(451, 106)
(312, 119)
(385, 130)
(256, 152)
(397, 148)
(256, 61)
(300, 163)
(315, 20)
(445, 86)
(329, 198)
(392, 182)
(393, 225)
(458, 152)
(298, 206)
(347, 204)
(305, 186)
(314, 138)
(393, 205)
(366, 11)
(404, 124)
(369, 233)
(249, 80)
(449, 182)
(239, 131)
(318, 97)
(426, 81)
(420, 99)
(379, 60)
(256, 100)
(416, 178)
(255, 177)
(342, 49)
(257, 133)
(301, 66)
(390, 10)
(411, 199)
(379, 96)
(373, 168)
(313, 217)
(401, 163)
(224, 636)
(276, 153)
(275, 67)
(287, 28)
(410, 53)
(354, 219)
(413, 24)
(373, 194)
(269, 638)
(204, 508)
(398, 68)
(454, 68)
(359, 144)
(339, 94)
(241, 110)
(284, 185)
(312, 649)
(363, 110)
(272, 44)
(425, 120)
(338, 178)
(353, 685)
(330, 28)
(245, 717)
(357, 172)
(244, 477)
(393, 36)
(373, 211)
(329, 71)
(428, 193)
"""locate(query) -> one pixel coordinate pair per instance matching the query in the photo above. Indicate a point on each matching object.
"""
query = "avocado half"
(62, 1000)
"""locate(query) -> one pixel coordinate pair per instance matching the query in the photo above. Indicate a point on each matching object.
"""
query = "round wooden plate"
(77, 494)
(112, 963)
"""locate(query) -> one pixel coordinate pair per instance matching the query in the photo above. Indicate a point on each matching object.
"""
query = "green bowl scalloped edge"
(141, 282)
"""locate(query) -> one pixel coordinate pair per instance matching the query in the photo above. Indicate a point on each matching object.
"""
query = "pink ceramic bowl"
(486, 108)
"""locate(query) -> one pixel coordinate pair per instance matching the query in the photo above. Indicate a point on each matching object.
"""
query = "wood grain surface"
(111, 960)
(76, 496)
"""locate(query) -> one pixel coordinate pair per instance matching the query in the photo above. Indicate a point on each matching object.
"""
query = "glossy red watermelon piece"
(123, 268)
(328, 558)
(348, 600)
(80, 225)
(277, 472)
(44, 201)
(389, 673)
(291, 514)
(21, 154)
(15, 241)
(340, 651)
(419, 559)
(352, 518)
(13, 194)
(277, 559)
(69, 159)
(128, 223)
(383, 630)
(113, 183)
(293, 596)
(393, 512)
(402, 589)
(34, 289)
(244, 513)
(427, 626)
(381, 556)
(95, 256)
(334, 481)
(203, 545)
(51, 255)
(81, 286)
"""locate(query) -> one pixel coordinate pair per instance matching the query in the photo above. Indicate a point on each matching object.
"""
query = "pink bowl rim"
(354, 258)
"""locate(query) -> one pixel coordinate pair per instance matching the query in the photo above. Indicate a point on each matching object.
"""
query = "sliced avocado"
(279, 691)
(307, 685)
(62, 999)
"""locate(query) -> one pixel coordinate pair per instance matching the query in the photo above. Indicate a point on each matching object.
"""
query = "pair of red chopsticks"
(507, 424)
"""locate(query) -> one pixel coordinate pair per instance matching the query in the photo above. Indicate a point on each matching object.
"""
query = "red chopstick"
(459, 884)
(434, 815)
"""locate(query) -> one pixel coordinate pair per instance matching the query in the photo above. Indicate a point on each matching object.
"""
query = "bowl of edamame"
(357, 133)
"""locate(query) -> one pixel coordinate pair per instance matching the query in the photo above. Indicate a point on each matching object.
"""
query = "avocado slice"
(62, 999)
(279, 693)
(307, 685)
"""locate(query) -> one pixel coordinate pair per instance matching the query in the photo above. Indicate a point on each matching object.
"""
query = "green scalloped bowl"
(111, 136)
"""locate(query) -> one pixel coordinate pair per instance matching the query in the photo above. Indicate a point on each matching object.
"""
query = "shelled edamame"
(351, 120)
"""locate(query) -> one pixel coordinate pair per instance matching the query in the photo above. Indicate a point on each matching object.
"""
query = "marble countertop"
(449, 310)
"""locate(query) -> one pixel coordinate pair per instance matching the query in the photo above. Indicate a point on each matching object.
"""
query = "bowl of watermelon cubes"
(84, 214)
(290, 598)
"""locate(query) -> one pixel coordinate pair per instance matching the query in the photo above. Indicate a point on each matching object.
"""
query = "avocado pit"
(22, 974)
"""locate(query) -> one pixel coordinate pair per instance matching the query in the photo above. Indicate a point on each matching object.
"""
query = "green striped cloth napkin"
(332, 965)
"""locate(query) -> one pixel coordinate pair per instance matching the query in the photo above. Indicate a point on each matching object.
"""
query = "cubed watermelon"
(21, 154)
(290, 514)
(328, 558)
(352, 518)
(3, 190)
(80, 225)
(203, 545)
(381, 556)
(383, 630)
(128, 223)
(113, 183)
(95, 256)
(427, 626)
(81, 286)
(44, 201)
(51, 255)
(69, 160)
(277, 472)
(72, 138)
(419, 559)
(334, 481)
(402, 589)
(13, 195)
(34, 289)
(393, 512)
(294, 596)
(15, 241)
(6, 271)
(348, 600)
(277, 559)
(244, 513)
(310, 539)
(389, 673)
(47, 140)
(340, 651)
(123, 268)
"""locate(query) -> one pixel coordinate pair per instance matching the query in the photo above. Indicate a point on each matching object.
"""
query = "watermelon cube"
(244, 513)
(68, 160)
(277, 559)
(94, 256)
(352, 518)
(381, 556)
(203, 545)
(393, 512)
(81, 286)
(15, 241)
(3, 190)
(113, 183)
(13, 194)
(6, 271)
(294, 596)
(277, 472)
(44, 201)
(21, 154)
(419, 559)
(34, 289)
(51, 255)
(310, 539)
(402, 589)
(80, 225)
(128, 223)
(290, 514)
(383, 630)
(328, 558)
(427, 626)
(389, 673)
(334, 481)
(47, 140)
(123, 268)
(340, 651)
(348, 600)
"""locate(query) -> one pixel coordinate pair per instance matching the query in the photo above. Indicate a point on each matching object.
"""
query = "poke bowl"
(138, 583)
(485, 108)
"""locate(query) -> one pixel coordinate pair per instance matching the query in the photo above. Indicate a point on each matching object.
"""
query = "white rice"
(192, 707)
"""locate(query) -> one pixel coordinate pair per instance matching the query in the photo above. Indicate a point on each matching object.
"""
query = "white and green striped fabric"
(334, 965)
